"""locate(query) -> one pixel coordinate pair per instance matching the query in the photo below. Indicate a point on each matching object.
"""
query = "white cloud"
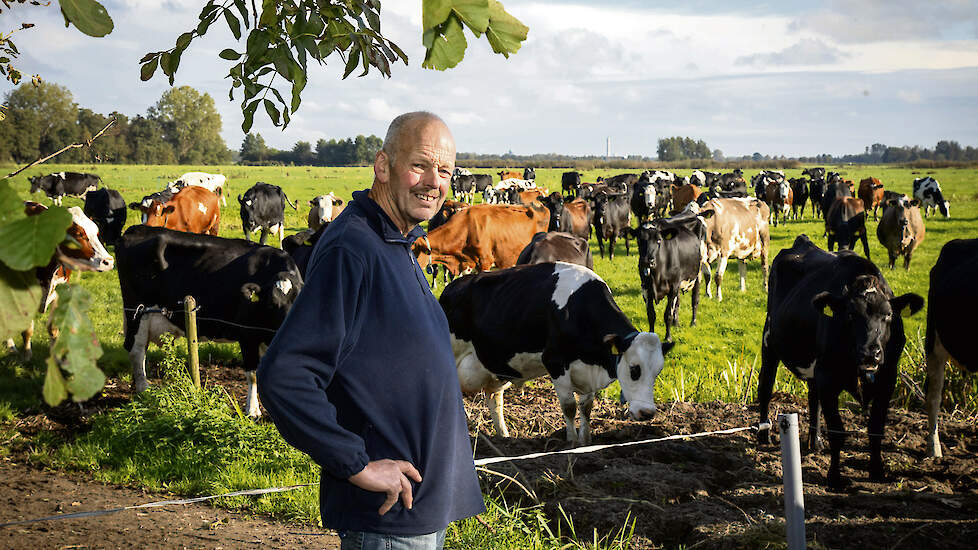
(909, 97)
(808, 51)
(892, 20)
(466, 118)
(378, 109)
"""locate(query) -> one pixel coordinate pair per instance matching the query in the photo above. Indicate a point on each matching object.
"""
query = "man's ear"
(382, 166)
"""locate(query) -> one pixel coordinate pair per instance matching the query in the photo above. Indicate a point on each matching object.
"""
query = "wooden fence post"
(190, 319)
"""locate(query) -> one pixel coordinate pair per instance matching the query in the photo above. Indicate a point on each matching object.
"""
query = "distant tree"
(718, 155)
(40, 120)
(366, 148)
(191, 125)
(147, 144)
(253, 148)
(947, 150)
(302, 153)
(756, 157)
(113, 146)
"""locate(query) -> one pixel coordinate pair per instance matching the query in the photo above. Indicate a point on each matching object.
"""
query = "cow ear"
(670, 233)
(135, 206)
(900, 303)
(168, 209)
(239, 198)
(707, 214)
(915, 202)
(612, 342)
(337, 202)
(250, 291)
(827, 304)
(667, 346)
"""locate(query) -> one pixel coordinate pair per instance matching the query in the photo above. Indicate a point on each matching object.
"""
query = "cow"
(482, 237)
(799, 196)
(161, 197)
(845, 221)
(730, 185)
(80, 250)
(108, 210)
(482, 182)
(833, 321)
(556, 246)
(463, 187)
(681, 196)
(323, 209)
(448, 209)
(570, 183)
(243, 292)
(671, 254)
(643, 199)
(816, 190)
(491, 196)
(568, 326)
(459, 171)
(263, 207)
(738, 228)
(951, 301)
(928, 191)
(901, 230)
(612, 218)
(531, 195)
(621, 183)
(529, 174)
(871, 193)
(509, 174)
(834, 189)
(815, 173)
(779, 198)
(212, 182)
(704, 178)
(59, 184)
(193, 209)
(568, 215)
(299, 246)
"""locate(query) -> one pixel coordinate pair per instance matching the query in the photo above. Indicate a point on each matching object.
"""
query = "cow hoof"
(140, 386)
(764, 437)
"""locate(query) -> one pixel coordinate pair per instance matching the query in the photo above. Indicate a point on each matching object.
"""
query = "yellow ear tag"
(669, 236)
(254, 297)
(614, 349)
(827, 311)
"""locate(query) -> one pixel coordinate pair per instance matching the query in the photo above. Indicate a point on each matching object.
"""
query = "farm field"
(716, 492)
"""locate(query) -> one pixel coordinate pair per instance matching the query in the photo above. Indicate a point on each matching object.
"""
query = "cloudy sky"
(785, 77)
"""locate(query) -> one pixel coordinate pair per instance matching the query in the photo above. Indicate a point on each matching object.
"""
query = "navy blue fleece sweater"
(362, 369)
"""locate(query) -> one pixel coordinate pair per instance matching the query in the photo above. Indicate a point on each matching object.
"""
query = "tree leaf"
(54, 384)
(28, 241)
(448, 47)
(434, 13)
(505, 33)
(249, 116)
(243, 10)
(184, 40)
(146, 71)
(228, 54)
(269, 14)
(272, 111)
(352, 60)
(474, 13)
(20, 295)
(88, 16)
(233, 24)
(76, 349)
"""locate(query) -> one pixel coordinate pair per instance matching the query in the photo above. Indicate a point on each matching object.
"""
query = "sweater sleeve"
(303, 358)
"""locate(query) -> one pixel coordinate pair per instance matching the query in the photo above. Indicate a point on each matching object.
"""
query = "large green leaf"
(447, 48)
(505, 32)
(20, 295)
(88, 15)
(28, 241)
(55, 390)
(434, 13)
(76, 349)
(474, 13)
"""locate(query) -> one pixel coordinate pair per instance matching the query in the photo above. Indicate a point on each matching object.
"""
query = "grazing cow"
(643, 199)
(816, 190)
(928, 190)
(482, 182)
(815, 173)
(192, 209)
(570, 183)
(681, 196)
(482, 237)
(263, 207)
(845, 221)
(491, 196)
(779, 198)
(243, 292)
(952, 300)
(526, 197)
(459, 171)
(557, 246)
(834, 322)
(323, 209)
(568, 326)
(463, 187)
(738, 228)
(80, 250)
(799, 196)
(212, 182)
(621, 183)
(671, 254)
(529, 174)
(901, 230)
(59, 184)
(612, 218)
(108, 210)
(871, 193)
(299, 246)
(509, 174)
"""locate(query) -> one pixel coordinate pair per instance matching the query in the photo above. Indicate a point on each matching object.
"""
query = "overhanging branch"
(86, 143)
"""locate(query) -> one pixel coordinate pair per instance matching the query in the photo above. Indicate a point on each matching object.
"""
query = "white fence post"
(794, 498)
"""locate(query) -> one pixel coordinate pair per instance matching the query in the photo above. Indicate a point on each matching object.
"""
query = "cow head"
(639, 360)
(36, 183)
(862, 316)
(555, 204)
(273, 299)
(154, 213)
(248, 218)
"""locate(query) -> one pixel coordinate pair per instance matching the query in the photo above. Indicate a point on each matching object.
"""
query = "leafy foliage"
(88, 16)
(75, 349)
(191, 124)
(681, 148)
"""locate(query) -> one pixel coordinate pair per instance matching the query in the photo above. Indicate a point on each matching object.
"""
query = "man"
(361, 375)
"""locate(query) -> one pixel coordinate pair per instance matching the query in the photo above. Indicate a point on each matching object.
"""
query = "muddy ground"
(715, 492)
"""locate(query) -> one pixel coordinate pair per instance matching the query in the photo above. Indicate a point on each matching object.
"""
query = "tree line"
(358, 151)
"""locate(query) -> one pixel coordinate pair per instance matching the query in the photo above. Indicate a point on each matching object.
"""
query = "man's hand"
(391, 477)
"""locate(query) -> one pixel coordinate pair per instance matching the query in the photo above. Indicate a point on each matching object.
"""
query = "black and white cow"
(928, 190)
(671, 256)
(951, 303)
(815, 173)
(263, 207)
(643, 199)
(463, 187)
(529, 174)
(243, 291)
(212, 182)
(108, 210)
(59, 184)
(146, 202)
(834, 322)
(482, 182)
(612, 218)
(570, 183)
(568, 326)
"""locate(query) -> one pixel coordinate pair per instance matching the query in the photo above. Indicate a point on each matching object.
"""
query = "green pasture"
(716, 360)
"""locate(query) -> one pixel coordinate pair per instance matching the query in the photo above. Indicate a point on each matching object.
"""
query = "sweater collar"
(382, 223)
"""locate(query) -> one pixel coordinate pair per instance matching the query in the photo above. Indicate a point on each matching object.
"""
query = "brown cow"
(738, 228)
(482, 237)
(194, 210)
(509, 174)
(845, 222)
(80, 250)
(578, 218)
(532, 195)
(779, 197)
(557, 246)
(683, 195)
(871, 193)
(901, 230)
(323, 209)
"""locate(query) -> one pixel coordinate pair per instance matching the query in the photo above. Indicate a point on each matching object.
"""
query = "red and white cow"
(738, 228)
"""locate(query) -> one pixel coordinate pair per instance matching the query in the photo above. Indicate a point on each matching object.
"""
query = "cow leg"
(814, 419)
(281, 234)
(649, 309)
(585, 403)
(892, 258)
(837, 435)
(247, 233)
(936, 363)
(667, 317)
(675, 309)
(830, 243)
(151, 327)
(27, 335)
(264, 235)
(494, 400)
(906, 259)
(600, 244)
(250, 356)
(863, 237)
(765, 385)
(721, 269)
(707, 275)
(568, 405)
(695, 299)
(612, 240)
(434, 276)
(742, 268)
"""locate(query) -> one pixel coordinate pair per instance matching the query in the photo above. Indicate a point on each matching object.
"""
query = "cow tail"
(294, 206)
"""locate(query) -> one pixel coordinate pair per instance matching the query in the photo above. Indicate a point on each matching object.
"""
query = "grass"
(161, 438)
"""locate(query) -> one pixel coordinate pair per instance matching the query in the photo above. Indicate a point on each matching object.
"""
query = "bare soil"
(720, 491)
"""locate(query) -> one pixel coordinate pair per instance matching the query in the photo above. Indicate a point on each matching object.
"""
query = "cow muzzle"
(641, 411)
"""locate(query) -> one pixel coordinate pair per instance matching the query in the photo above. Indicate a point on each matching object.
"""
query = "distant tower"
(607, 149)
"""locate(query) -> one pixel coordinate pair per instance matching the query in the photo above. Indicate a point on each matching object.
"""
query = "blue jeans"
(359, 540)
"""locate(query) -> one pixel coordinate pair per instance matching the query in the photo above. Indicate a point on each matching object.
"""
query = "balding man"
(361, 375)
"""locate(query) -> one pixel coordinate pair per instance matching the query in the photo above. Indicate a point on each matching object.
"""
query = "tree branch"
(87, 143)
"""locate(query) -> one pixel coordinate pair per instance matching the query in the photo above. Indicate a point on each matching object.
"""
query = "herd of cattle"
(832, 318)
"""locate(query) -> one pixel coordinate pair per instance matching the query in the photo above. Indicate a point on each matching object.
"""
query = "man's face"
(414, 187)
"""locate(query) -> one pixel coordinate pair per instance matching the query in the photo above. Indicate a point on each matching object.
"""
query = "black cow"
(612, 217)
(59, 184)
(570, 183)
(952, 301)
(799, 192)
(108, 210)
(263, 206)
(622, 183)
(834, 322)
(671, 253)
(529, 174)
(816, 190)
(557, 246)
(300, 245)
(568, 326)
(243, 292)
(845, 221)
(835, 188)
(816, 173)
(463, 186)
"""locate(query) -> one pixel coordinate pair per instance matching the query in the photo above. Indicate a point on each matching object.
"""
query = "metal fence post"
(794, 498)
(190, 318)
